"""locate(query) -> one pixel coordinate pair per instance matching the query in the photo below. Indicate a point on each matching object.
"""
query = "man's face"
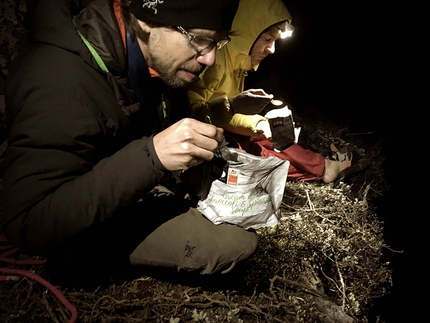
(169, 53)
(264, 45)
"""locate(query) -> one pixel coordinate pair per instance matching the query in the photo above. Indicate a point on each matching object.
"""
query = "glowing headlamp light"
(286, 29)
(287, 32)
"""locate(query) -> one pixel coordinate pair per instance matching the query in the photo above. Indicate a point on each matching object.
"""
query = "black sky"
(343, 59)
(350, 61)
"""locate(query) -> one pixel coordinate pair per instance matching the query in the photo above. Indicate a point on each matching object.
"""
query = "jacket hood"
(52, 24)
(252, 17)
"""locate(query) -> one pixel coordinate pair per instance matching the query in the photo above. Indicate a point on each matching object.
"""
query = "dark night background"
(348, 61)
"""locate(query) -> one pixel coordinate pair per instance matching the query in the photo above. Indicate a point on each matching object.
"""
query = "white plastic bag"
(250, 192)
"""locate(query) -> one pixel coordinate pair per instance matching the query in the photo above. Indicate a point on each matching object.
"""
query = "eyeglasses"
(203, 45)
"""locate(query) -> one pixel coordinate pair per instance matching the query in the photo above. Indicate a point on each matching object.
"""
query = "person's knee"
(234, 246)
(250, 245)
(192, 242)
(247, 250)
(254, 243)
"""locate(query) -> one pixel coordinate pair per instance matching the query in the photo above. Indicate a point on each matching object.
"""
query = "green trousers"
(160, 230)
(191, 242)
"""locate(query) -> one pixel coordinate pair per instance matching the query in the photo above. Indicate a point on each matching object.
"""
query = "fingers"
(280, 112)
(203, 140)
(263, 128)
(205, 130)
(259, 93)
(187, 143)
(250, 101)
(276, 103)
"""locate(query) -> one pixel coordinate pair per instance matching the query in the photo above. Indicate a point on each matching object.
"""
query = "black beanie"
(201, 14)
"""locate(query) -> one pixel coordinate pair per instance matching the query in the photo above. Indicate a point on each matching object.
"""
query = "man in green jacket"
(98, 129)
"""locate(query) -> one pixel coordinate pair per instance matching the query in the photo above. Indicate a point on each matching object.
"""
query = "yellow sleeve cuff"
(244, 124)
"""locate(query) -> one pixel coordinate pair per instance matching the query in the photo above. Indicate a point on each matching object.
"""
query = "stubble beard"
(167, 72)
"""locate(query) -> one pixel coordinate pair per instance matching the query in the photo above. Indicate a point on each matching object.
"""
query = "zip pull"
(163, 106)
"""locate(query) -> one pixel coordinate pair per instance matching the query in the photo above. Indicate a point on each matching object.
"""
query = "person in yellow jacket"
(257, 26)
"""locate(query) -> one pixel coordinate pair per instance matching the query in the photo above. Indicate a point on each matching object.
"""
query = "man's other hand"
(250, 101)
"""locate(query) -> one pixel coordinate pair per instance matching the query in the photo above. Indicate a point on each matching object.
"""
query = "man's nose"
(207, 59)
(271, 49)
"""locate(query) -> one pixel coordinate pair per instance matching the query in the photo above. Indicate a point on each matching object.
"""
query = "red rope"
(5, 258)
(11, 275)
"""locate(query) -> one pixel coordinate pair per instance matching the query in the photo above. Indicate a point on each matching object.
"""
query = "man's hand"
(279, 112)
(187, 143)
(263, 128)
(250, 101)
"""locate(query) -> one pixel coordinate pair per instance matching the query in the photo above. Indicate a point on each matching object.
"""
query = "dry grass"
(322, 263)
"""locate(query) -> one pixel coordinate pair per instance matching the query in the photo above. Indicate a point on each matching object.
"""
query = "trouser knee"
(191, 242)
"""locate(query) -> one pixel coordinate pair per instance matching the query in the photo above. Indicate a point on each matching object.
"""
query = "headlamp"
(286, 29)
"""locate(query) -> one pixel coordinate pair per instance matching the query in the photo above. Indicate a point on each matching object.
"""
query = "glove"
(250, 101)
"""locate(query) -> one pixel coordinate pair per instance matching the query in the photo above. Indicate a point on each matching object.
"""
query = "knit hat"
(201, 14)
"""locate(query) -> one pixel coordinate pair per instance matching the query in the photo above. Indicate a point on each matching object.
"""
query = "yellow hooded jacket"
(225, 78)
